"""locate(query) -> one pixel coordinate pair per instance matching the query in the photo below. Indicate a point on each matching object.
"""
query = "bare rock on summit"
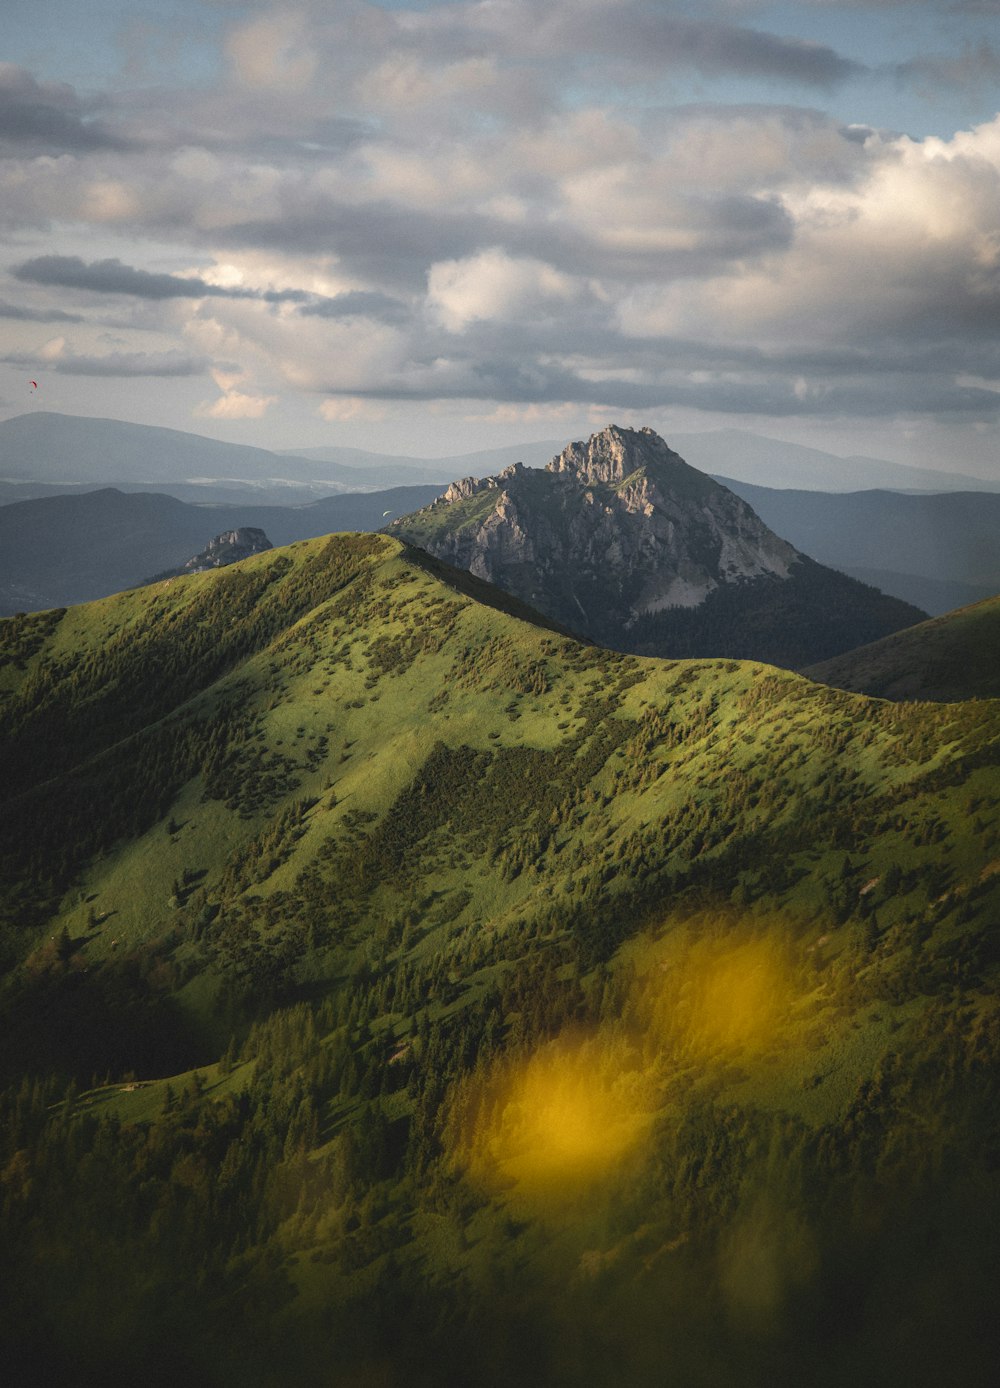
(228, 548)
(622, 541)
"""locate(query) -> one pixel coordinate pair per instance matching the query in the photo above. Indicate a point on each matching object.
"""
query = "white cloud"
(910, 247)
(109, 200)
(198, 164)
(274, 51)
(404, 83)
(343, 410)
(235, 405)
(497, 287)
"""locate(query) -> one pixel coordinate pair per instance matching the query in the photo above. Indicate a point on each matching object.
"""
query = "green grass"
(417, 839)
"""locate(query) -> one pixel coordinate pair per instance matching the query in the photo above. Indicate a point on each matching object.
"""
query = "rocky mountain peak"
(616, 537)
(615, 453)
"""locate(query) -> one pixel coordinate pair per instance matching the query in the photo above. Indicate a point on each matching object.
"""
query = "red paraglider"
(34, 386)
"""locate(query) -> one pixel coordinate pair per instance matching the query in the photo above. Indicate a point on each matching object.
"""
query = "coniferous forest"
(398, 991)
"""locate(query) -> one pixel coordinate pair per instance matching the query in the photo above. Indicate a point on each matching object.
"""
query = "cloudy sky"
(429, 227)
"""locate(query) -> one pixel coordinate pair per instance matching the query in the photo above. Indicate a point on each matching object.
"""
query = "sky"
(426, 228)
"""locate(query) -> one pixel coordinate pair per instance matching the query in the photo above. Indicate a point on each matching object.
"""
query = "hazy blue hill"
(48, 447)
(70, 549)
(44, 450)
(355, 465)
(397, 992)
(935, 595)
(894, 541)
(766, 462)
(55, 551)
(949, 658)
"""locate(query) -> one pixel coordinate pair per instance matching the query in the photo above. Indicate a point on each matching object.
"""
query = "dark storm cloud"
(385, 241)
(37, 315)
(53, 131)
(649, 35)
(594, 337)
(654, 36)
(112, 364)
(764, 396)
(691, 374)
(977, 65)
(49, 118)
(109, 277)
(359, 303)
(394, 244)
(114, 277)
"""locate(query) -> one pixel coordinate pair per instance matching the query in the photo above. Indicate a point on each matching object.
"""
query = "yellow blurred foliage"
(719, 997)
(554, 1122)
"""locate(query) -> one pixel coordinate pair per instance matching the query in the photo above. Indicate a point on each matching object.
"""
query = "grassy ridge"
(950, 658)
(439, 997)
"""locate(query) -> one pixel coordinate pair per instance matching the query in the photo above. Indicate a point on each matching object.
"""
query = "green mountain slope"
(949, 658)
(443, 1001)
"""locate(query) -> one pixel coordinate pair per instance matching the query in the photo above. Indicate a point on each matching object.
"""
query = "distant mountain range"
(621, 541)
(43, 450)
(937, 551)
(358, 470)
(766, 462)
(56, 551)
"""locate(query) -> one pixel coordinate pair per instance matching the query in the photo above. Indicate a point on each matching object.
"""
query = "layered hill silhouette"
(396, 990)
(754, 459)
(953, 657)
(623, 542)
(55, 551)
(938, 552)
(44, 449)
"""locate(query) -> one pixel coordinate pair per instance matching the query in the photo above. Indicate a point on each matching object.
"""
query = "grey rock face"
(228, 548)
(614, 529)
(622, 542)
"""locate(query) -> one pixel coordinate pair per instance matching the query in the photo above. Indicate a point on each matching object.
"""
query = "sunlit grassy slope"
(445, 1001)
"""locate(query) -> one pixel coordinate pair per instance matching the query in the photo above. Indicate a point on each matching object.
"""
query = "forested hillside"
(397, 991)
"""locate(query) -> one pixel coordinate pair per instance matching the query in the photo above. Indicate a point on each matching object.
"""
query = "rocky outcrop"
(228, 548)
(617, 534)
